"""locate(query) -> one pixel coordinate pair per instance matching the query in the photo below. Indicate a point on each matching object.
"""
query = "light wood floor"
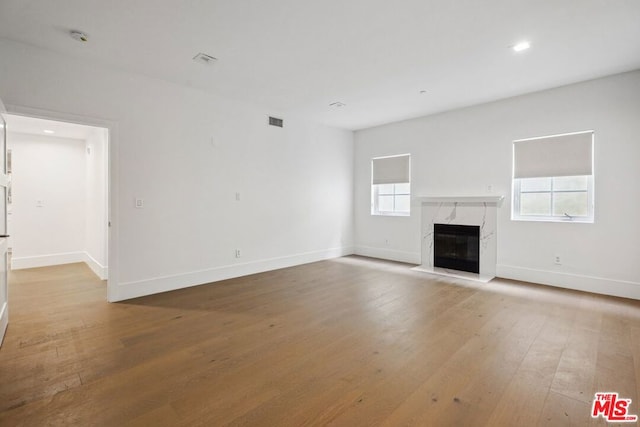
(347, 342)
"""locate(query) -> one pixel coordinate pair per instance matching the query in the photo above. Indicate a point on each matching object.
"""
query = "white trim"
(47, 260)
(408, 214)
(459, 199)
(156, 285)
(100, 270)
(391, 156)
(59, 259)
(559, 219)
(4, 292)
(112, 179)
(389, 254)
(597, 285)
(555, 135)
(4, 320)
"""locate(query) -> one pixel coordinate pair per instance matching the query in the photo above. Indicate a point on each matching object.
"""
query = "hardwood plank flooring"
(346, 342)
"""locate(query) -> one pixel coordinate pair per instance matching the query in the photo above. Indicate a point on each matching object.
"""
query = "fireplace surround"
(476, 211)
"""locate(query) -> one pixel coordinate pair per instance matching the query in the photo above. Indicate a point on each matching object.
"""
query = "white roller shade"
(391, 170)
(562, 155)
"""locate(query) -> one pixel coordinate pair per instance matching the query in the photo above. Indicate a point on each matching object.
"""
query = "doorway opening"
(58, 201)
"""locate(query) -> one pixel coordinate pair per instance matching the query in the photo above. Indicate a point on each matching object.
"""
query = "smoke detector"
(205, 59)
(79, 35)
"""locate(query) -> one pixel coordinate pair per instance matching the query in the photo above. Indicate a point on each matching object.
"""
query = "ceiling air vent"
(275, 121)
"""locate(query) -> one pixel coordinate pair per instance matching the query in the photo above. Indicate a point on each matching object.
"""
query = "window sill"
(390, 214)
(554, 219)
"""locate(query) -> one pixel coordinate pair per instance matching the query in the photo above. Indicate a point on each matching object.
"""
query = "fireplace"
(457, 247)
(460, 210)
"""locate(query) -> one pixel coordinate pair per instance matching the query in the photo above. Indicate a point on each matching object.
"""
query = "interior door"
(4, 183)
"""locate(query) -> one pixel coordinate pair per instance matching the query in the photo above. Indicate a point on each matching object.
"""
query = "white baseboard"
(4, 321)
(60, 259)
(156, 285)
(598, 285)
(46, 260)
(100, 270)
(389, 254)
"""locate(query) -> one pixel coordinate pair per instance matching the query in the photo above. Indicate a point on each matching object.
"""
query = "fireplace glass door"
(457, 247)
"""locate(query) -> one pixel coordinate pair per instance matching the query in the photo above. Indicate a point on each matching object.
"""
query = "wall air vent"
(273, 121)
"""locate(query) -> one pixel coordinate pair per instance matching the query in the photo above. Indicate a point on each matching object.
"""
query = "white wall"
(463, 151)
(96, 177)
(47, 223)
(187, 153)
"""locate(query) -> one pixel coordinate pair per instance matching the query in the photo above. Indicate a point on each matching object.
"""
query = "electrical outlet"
(139, 203)
(557, 260)
(237, 197)
(238, 253)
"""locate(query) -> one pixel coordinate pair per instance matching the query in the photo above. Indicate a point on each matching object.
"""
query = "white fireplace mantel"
(459, 199)
(479, 210)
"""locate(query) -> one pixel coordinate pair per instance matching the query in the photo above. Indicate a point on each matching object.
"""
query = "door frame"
(4, 272)
(112, 179)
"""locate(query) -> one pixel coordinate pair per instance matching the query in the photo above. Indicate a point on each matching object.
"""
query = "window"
(391, 199)
(390, 185)
(553, 178)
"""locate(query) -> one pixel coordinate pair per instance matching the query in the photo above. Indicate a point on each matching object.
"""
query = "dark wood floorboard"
(346, 342)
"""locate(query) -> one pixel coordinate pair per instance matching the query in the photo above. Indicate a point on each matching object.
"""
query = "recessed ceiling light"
(49, 131)
(337, 104)
(422, 92)
(79, 35)
(521, 46)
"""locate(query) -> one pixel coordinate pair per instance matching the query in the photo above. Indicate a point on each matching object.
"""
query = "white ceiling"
(34, 126)
(373, 55)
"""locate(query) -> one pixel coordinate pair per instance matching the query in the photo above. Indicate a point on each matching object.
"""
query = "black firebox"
(457, 247)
